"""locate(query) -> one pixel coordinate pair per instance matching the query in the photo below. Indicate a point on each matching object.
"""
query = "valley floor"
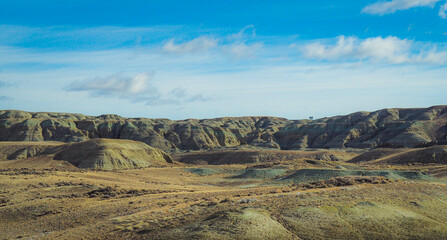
(217, 202)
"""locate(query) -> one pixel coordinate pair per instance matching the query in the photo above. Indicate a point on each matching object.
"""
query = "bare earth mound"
(219, 157)
(113, 154)
(246, 224)
(97, 153)
(21, 150)
(430, 155)
(32, 155)
(377, 154)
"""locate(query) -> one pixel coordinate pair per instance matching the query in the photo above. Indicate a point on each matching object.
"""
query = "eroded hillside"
(386, 128)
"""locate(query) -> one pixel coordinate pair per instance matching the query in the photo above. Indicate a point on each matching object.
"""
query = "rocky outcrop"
(383, 128)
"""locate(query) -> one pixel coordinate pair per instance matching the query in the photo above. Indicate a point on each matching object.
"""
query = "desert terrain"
(378, 175)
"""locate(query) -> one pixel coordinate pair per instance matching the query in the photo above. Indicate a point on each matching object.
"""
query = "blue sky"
(204, 59)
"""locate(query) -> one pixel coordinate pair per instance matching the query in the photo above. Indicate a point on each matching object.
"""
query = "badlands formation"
(366, 175)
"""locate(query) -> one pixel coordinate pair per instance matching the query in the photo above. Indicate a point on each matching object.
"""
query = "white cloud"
(196, 45)
(343, 47)
(385, 7)
(136, 88)
(389, 50)
(443, 10)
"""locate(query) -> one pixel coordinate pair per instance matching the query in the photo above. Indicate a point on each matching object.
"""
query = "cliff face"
(388, 127)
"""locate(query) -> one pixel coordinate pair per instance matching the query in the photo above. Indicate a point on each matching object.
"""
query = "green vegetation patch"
(262, 173)
(233, 224)
(203, 171)
(364, 221)
(309, 175)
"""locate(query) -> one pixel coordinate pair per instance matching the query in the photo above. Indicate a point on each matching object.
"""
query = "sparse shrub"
(247, 200)
(225, 200)
(213, 203)
(344, 181)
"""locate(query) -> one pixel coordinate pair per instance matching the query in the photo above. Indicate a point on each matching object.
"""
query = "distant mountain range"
(412, 127)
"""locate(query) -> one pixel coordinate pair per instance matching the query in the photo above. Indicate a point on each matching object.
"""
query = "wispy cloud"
(241, 45)
(247, 31)
(244, 50)
(115, 84)
(4, 84)
(176, 96)
(238, 45)
(389, 49)
(136, 88)
(386, 7)
(196, 45)
(101, 37)
(5, 98)
(443, 10)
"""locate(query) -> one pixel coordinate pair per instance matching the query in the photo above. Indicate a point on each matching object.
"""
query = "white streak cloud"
(386, 7)
(196, 45)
